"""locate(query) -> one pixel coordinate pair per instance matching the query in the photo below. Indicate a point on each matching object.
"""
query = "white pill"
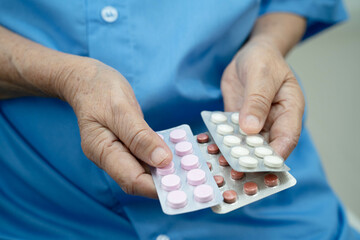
(254, 141)
(249, 162)
(231, 140)
(263, 151)
(273, 161)
(218, 118)
(239, 151)
(235, 118)
(224, 129)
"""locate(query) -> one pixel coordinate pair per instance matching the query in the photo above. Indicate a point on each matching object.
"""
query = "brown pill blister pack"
(240, 188)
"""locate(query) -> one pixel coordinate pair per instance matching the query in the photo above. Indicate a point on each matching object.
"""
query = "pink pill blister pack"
(186, 184)
(240, 188)
(244, 153)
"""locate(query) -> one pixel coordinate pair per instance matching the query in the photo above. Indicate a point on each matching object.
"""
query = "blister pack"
(240, 188)
(186, 184)
(245, 153)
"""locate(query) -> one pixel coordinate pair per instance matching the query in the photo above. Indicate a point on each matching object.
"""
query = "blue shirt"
(173, 54)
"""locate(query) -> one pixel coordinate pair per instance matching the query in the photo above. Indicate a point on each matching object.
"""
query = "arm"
(260, 85)
(113, 132)
(282, 30)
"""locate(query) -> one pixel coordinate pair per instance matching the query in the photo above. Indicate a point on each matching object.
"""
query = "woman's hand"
(113, 132)
(259, 84)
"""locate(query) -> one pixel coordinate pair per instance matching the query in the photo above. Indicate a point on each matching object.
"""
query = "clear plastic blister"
(245, 153)
(266, 183)
(186, 184)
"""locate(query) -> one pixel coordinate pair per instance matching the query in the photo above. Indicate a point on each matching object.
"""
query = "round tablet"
(176, 199)
(219, 180)
(161, 136)
(166, 170)
(229, 196)
(250, 188)
(263, 151)
(183, 148)
(177, 135)
(209, 165)
(235, 118)
(224, 129)
(254, 141)
(248, 162)
(218, 118)
(203, 193)
(202, 138)
(236, 175)
(196, 177)
(238, 151)
(189, 162)
(271, 180)
(273, 161)
(231, 140)
(170, 182)
(222, 161)
(213, 149)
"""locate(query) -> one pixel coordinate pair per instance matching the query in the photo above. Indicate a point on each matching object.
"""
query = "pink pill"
(177, 135)
(166, 170)
(189, 162)
(183, 148)
(170, 182)
(196, 177)
(203, 193)
(161, 136)
(177, 199)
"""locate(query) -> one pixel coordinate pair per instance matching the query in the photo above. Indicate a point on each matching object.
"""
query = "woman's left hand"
(260, 85)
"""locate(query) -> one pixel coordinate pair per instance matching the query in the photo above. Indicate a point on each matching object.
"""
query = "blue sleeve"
(320, 14)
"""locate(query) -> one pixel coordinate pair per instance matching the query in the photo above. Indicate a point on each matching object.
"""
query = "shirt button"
(162, 237)
(109, 14)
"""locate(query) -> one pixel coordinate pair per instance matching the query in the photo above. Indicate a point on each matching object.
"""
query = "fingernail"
(158, 156)
(252, 122)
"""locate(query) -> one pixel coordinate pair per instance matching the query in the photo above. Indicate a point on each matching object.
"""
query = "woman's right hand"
(114, 134)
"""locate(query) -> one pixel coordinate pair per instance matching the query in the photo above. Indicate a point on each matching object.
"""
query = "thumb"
(259, 94)
(142, 141)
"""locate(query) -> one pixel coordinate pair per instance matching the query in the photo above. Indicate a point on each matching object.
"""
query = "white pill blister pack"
(245, 153)
(186, 184)
(240, 188)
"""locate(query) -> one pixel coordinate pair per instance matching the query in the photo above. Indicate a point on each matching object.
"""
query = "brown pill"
(219, 180)
(271, 180)
(209, 165)
(222, 161)
(229, 196)
(202, 138)
(236, 175)
(250, 188)
(213, 149)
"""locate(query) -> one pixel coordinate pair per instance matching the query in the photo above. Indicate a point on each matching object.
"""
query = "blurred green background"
(329, 68)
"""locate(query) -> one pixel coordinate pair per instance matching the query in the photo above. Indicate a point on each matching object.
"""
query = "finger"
(232, 89)
(260, 90)
(285, 120)
(140, 139)
(104, 149)
(126, 170)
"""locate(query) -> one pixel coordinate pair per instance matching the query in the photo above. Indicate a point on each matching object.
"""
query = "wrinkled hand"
(259, 84)
(113, 132)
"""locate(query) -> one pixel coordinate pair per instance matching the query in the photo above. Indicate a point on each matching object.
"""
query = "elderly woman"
(92, 80)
